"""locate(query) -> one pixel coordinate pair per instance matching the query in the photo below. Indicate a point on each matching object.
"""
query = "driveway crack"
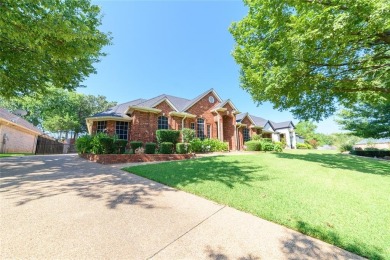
(188, 231)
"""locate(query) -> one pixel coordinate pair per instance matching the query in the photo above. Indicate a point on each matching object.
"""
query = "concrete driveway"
(63, 207)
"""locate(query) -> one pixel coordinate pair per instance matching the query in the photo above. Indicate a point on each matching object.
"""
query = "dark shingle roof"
(258, 121)
(281, 125)
(180, 104)
(17, 120)
(119, 110)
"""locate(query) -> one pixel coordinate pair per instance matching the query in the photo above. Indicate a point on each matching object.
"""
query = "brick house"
(16, 134)
(249, 125)
(207, 114)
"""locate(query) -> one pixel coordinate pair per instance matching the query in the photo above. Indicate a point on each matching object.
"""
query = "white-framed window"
(211, 99)
(208, 131)
(246, 135)
(101, 126)
(200, 128)
(162, 122)
(122, 130)
(192, 125)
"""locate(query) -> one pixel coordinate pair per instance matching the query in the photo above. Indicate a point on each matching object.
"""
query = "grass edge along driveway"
(343, 200)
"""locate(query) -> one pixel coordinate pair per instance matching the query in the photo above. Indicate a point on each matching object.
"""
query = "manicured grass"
(341, 199)
(13, 154)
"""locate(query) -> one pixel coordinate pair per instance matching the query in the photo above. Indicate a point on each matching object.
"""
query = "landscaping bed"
(129, 158)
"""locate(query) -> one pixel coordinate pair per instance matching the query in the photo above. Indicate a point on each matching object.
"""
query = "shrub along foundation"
(129, 158)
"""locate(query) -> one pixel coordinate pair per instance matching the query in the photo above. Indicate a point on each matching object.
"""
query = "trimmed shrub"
(108, 144)
(372, 153)
(135, 144)
(97, 145)
(253, 145)
(120, 146)
(256, 137)
(208, 145)
(164, 135)
(278, 148)
(345, 147)
(302, 146)
(84, 144)
(166, 148)
(215, 145)
(188, 135)
(266, 140)
(266, 146)
(196, 145)
(183, 148)
(150, 148)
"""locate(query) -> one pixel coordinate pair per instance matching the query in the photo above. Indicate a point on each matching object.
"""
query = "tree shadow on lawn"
(32, 178)
(340, 161)
(298, 245)
(229, 173)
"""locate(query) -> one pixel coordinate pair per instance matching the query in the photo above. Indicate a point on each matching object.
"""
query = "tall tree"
(367, 120)
(311, 56)
(59, 110)
(48, 43)
(306, 129)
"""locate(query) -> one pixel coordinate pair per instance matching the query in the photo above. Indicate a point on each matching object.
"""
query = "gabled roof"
(223, 103)
(285, 124)
(119, 110)
(178, 104)
(241, 117)
(13, 119)
(257, 121)
(193, 101)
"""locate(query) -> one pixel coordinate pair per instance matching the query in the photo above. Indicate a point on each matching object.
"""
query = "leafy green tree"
(59, 110)
(306, 129)
(367, 120)
(48, 43)
(312, 56)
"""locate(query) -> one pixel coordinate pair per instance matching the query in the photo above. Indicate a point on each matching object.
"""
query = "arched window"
(200, 128)
(162, 122)
(245, 132)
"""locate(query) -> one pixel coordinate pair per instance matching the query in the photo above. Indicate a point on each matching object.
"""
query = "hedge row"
(371, 153)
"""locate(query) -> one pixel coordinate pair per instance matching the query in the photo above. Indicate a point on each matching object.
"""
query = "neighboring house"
(300, 139)
(207, 114)
(16, 134)
(383, 143)
(250, 124)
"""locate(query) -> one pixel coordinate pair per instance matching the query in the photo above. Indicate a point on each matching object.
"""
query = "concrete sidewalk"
(63, 207)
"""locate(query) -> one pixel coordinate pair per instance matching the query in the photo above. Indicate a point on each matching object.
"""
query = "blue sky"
(181, 48)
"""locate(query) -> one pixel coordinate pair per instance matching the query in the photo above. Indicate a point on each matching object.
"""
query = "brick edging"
(128, 158)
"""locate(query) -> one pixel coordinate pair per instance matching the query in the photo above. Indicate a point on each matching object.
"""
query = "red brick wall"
(228, 131)
(144, 127)
(144, 124)
(202, 109)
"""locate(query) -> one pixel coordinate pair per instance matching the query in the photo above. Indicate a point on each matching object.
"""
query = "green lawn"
(13, 154)
(341, 199)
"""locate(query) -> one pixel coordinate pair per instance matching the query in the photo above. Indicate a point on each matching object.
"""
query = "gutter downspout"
(182, 127)
(219, 127)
